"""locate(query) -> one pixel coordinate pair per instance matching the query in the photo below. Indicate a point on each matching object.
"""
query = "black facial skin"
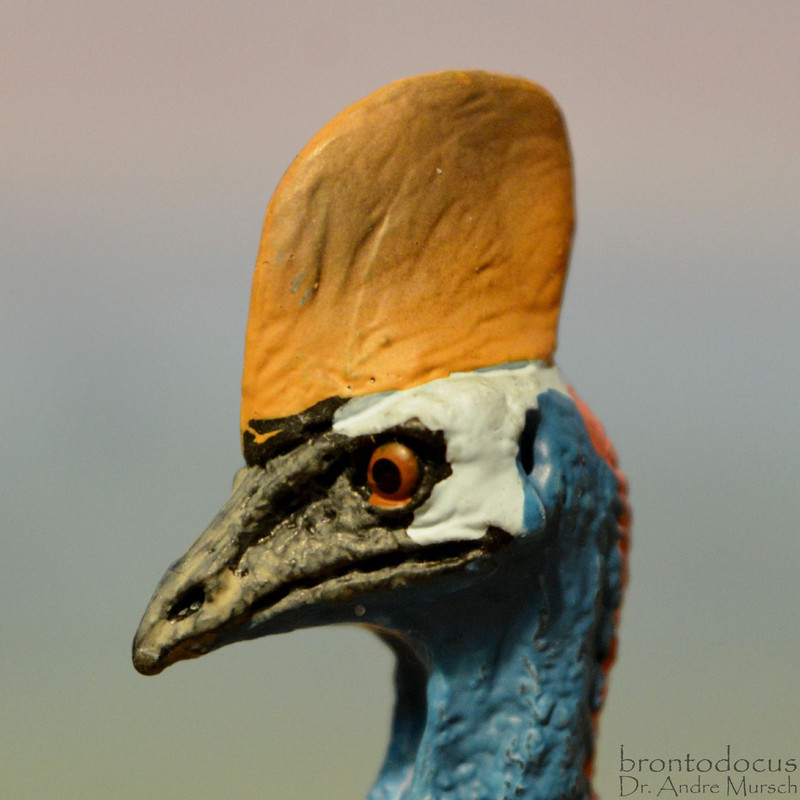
(298, 540)
(288, 432)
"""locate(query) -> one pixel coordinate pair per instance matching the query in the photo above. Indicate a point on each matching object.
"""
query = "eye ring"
(393, 475)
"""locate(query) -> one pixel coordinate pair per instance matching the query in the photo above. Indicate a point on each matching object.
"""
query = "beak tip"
(145, 660)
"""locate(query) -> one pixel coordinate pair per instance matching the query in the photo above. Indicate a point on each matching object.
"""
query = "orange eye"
(392, 475)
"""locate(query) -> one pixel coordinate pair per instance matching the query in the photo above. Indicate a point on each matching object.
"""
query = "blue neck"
(498, 680)
(505, 714)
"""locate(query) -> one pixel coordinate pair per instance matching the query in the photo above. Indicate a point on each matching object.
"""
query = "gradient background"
(139, 145)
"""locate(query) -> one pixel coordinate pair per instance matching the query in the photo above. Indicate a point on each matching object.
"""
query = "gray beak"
(297, 544)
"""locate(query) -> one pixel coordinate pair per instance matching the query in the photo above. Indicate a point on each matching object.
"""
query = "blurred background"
(139, 145)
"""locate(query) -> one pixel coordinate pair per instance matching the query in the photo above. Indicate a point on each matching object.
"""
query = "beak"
(279, 555)
(296, 545)
(198, 594)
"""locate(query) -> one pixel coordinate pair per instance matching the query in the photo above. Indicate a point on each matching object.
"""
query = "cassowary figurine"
(415, 463)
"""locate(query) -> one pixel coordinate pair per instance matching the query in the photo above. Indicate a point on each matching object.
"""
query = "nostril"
(187, 604)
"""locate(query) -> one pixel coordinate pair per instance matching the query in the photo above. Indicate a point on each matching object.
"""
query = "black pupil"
(386, 476)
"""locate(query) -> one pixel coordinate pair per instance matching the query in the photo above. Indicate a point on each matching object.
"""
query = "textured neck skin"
(513, 661)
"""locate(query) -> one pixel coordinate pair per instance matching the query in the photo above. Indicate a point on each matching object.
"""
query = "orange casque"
(425, 230)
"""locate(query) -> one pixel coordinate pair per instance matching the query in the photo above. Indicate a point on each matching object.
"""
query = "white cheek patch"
(482, 415)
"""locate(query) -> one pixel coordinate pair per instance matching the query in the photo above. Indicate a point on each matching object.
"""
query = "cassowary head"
(415, 462)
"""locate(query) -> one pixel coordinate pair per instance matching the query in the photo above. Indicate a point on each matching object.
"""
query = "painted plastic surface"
(406, 301)
(423, 231)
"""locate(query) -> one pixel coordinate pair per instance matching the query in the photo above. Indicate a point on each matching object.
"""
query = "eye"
(393, 475)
